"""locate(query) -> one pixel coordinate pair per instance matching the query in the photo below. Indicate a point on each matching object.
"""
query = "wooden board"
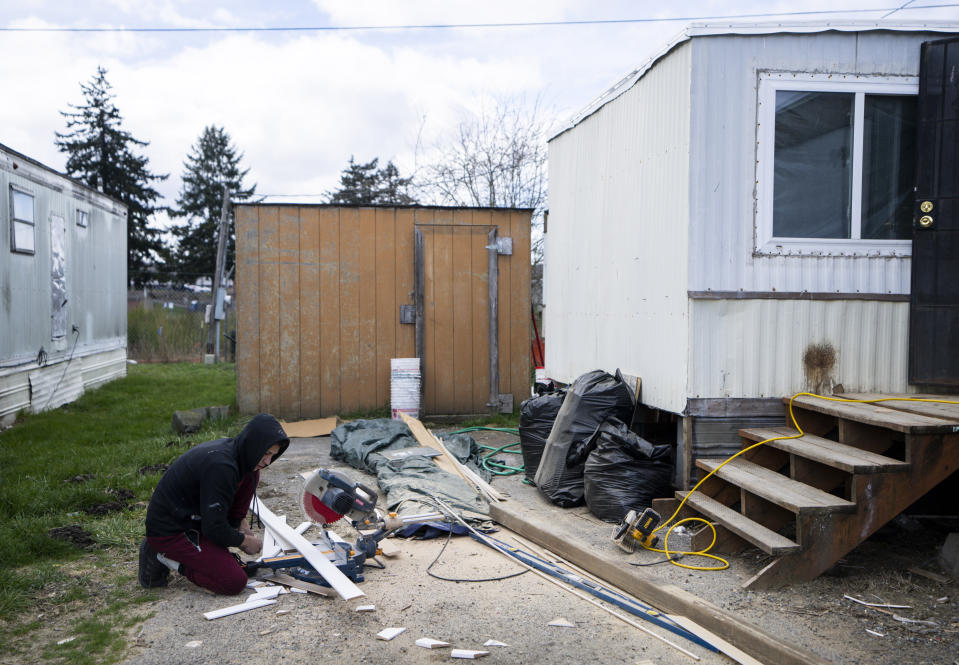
(340, 582)
(826, 451)
(309, 297)
(349, 315)
(364, 374)
(479, 259)
(776, 487)
(286, 580)
(329, 295)
(941, 410)
(288, 359)
(461, 339)
(533, 524)
(247, 312)
(387, 310)
(871, 414)
(268, 334)
(763, 538)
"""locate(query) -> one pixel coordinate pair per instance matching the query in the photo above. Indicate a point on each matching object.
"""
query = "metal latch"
(503, 246)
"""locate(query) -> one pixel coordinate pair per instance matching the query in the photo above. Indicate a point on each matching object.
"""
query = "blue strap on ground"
(632, 606)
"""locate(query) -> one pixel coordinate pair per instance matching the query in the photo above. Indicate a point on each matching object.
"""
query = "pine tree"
(101, 154)
(212, 163)
(365, 184)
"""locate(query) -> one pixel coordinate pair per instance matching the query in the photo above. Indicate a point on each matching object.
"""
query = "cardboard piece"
(303, 429)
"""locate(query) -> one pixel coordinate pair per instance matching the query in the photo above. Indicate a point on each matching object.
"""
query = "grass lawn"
(90, 466)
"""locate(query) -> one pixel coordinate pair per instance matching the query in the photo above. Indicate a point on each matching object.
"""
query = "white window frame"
(14, 220)
(83, 218)
(860, 85)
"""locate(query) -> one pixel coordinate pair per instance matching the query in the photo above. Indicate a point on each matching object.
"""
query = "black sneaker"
(152, 573)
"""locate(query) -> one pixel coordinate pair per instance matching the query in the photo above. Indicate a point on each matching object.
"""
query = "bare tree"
(495, 157)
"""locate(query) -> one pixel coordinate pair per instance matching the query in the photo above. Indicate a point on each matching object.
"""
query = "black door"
(934, 305)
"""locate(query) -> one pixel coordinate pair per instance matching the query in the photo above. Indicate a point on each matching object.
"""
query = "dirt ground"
(308, 629)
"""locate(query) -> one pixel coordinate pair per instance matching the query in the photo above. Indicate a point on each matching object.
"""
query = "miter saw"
(327, 497)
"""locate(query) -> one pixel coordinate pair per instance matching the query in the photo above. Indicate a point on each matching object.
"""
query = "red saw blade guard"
(318, 511)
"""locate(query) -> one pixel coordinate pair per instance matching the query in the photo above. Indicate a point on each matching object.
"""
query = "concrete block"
(217, 412)
(186, 422)
(949, 556)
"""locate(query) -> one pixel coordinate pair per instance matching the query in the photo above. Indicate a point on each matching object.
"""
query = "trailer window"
(836, 164)
(21, 221)
(83, 218)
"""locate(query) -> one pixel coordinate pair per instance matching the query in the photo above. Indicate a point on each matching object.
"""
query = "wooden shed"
(327, 295)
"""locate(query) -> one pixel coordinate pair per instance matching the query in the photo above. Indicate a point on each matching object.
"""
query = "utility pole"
(216, 308)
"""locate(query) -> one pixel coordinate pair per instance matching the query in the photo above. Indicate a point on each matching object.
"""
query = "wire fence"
(169, 323)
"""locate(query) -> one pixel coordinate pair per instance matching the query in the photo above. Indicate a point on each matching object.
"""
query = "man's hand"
(251, 544)
(244, 528)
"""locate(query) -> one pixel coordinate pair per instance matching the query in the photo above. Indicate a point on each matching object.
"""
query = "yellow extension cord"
(705, 551)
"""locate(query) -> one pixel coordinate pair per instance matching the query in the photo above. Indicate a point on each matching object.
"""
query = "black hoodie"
(196, 492)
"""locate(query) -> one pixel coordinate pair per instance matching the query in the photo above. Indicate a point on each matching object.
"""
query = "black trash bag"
(625, 472)
(536, 418)
(591, 399)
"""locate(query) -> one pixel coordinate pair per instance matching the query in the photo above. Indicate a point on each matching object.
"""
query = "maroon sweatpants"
(206, 564)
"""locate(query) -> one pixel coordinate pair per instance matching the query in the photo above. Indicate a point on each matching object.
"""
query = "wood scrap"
(447, 461)
(293, 583)
(467, 653)
(878, 605)
(388, 634)
(236, 609)
(929, 575)
(430, 643)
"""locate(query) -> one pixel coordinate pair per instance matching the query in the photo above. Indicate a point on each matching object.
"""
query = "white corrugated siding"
(723, 158)
(755, 348)
(615, 276)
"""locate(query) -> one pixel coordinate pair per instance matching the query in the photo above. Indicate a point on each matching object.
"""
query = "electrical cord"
(449, 536)
(76, 338)
(705, 551)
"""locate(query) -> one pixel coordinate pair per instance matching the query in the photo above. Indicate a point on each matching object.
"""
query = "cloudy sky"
(298, 103)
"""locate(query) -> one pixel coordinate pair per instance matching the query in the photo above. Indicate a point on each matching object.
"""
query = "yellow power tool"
(637, 530)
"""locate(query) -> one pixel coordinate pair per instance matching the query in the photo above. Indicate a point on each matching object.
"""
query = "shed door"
(452, 292)
(934, 305)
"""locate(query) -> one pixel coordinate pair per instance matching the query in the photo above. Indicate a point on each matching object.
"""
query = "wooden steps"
(855, 467)
(825, 451)
(765, 539)
(776, 488)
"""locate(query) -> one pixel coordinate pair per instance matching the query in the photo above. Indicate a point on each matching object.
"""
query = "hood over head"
(256, 437)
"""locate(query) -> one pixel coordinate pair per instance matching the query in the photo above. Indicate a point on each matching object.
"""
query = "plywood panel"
(269, 301)
(309, 312)
(366, 270)
(480, 331)
(329, 295)
(247, 309)
(387, 312)
(405, 342)
(519, 318)
(461, 338)
(288, 304)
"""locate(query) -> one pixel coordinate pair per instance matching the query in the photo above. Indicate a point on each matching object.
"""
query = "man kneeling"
(199, 509)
